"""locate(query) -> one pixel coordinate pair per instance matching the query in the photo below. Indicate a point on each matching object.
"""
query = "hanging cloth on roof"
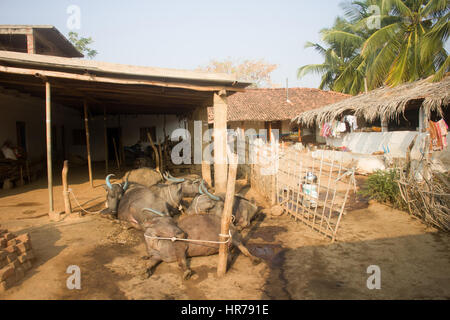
(352, 121)
(326, 130)
(341, 127)
(436, 136)
(443, 129)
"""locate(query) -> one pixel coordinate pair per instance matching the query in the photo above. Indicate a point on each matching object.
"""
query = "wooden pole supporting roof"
(88, 145)
(220, 143)
(48, 117)
(106, 142)
(226, 216)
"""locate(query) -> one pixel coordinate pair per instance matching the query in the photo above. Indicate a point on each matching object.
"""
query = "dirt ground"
(297, 263)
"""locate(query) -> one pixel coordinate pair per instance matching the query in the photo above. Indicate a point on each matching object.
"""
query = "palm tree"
(341, 59)
(410, 44)
(432, 48)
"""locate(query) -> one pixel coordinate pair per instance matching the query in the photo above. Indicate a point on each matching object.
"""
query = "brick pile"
(16, 255)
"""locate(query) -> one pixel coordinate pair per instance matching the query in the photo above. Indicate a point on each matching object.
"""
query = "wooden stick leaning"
(117, 155)
(226, 215)
(66, 197)
(155, 151)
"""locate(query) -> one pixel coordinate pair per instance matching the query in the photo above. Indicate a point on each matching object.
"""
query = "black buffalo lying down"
(244, 211)
(193, 227)
(130, 201)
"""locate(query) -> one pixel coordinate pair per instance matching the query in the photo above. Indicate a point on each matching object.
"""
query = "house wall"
(259, 125)
(31, 111)
(396, 142)
(247, 125)
(130, 126)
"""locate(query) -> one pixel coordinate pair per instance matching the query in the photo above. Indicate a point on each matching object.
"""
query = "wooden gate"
(309, 188)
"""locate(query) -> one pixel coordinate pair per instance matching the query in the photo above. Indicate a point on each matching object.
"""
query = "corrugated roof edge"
(114, 68)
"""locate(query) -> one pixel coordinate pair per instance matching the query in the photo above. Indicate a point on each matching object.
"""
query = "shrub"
(382, 186)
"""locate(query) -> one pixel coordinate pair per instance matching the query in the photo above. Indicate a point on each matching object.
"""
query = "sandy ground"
(298, 263)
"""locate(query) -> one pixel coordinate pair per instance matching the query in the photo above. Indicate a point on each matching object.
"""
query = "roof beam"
(103, 79)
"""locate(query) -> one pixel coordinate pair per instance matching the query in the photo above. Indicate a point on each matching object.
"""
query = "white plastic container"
(310, 190)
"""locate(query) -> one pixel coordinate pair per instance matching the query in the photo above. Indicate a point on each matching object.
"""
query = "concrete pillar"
(220, 142)
(31, 44)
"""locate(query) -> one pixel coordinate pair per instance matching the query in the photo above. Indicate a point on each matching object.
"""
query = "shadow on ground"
(409, 270)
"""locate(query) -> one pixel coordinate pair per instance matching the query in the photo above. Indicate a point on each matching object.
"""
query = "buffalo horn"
(213, 197)
(108, 183)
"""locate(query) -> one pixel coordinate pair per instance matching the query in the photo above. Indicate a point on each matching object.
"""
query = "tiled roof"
(272, 104)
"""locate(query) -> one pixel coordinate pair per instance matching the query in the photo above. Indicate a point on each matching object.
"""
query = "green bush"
(382, 186)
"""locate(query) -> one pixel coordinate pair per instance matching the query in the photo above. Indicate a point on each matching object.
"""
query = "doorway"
(114, 136)
(21, 135)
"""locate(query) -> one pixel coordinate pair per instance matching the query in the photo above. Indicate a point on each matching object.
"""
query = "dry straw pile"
(429, 199)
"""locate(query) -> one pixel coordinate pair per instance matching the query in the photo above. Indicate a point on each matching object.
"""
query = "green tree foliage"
(256, 71)
(343, 69)
(407, 46)
(82, 44)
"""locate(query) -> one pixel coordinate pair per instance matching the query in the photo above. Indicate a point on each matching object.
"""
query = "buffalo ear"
(105, 187)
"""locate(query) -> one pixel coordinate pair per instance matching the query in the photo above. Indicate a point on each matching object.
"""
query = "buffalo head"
(189, 187)
(114, 193)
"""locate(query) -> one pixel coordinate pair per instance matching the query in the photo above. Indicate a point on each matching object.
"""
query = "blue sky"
(186, 34)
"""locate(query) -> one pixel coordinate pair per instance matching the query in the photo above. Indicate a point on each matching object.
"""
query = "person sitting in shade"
(8, 151)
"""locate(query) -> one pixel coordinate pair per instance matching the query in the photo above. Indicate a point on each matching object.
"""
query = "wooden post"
(206, 165)
(270, 132)
(27, 168)
(161, 159)
(106, 142)
(66, 197)
(190, 122)
(48, 116)
(120, 145)
(88, 146)
(220, 142)
(117, 155)
(226, 216)
(384, 124)
(22, 182)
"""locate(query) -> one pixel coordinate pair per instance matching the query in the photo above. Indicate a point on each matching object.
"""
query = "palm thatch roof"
(385, 103)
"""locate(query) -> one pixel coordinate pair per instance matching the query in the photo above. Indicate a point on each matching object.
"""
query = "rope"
(79, 205)
(173, 201)
(173, 239)
(155, 212)
(233, 218)
(196, 203)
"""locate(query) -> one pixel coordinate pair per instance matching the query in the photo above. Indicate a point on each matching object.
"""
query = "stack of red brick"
(16, 255)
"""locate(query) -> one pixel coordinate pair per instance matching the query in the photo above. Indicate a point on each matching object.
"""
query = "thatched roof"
(385, 102)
